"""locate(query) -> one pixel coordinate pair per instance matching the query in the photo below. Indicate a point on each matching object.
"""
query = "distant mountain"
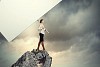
(34, 59)
(2, 37)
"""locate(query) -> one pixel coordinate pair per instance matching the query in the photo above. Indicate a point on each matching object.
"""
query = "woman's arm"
(45, 29)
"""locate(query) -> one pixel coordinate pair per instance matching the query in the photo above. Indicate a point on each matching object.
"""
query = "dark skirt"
(41, 37)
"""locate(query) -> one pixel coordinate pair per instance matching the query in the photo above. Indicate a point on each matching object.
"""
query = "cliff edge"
(34, 59)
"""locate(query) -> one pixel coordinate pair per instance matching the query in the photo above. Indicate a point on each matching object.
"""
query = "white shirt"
(41, 28)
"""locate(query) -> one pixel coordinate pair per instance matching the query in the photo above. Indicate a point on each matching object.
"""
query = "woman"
(41, 30)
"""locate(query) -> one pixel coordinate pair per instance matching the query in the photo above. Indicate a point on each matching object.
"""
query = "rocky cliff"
(34, 59)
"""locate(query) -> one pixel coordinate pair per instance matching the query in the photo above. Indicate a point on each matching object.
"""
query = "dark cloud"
(4, 54)
(62, 25)
(75, 24)
(58, 17)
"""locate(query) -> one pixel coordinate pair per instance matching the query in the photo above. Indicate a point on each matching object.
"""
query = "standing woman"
(41, 30)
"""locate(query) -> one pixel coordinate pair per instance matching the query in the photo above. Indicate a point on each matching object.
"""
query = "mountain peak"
(34, 59)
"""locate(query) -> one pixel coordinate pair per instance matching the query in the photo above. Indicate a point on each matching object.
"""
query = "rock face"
(34, 59)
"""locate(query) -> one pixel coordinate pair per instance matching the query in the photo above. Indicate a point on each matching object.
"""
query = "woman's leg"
(39, 42)
(38, 45)
(43, 45)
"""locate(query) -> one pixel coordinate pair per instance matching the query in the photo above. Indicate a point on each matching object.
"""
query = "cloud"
(63, 17)
(84, 51)
(77, 30)
(64, 25)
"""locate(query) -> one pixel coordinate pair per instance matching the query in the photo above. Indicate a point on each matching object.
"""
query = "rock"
(34, 59)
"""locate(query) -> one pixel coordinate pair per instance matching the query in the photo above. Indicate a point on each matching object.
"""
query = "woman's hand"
(47, 31)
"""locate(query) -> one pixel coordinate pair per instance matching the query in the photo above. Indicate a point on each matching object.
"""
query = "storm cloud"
(72, 19)
(75, 25)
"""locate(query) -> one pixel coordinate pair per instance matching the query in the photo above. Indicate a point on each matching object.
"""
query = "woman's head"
(41, 20)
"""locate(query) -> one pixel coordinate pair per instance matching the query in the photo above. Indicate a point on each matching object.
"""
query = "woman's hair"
(41, 20)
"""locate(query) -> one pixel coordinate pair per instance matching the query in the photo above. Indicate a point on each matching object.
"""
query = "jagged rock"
(34, 59)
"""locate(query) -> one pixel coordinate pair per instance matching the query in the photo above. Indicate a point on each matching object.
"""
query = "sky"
(74, 38)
